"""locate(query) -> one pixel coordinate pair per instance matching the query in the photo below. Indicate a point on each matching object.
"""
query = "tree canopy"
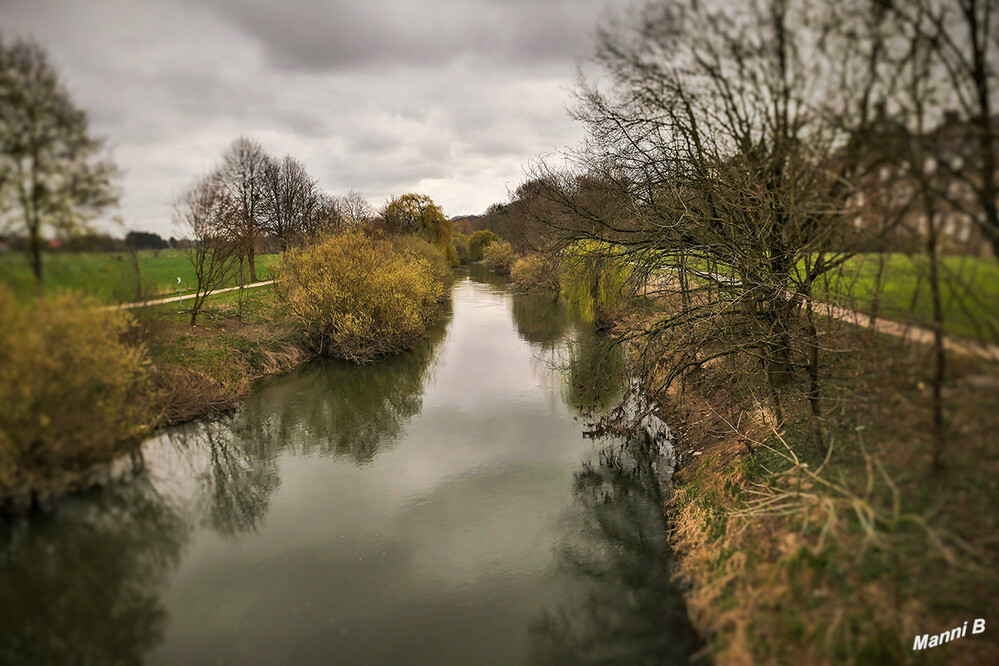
(417, 213)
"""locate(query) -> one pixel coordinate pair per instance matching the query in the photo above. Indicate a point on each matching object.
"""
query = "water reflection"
(625, 608)
(329, 408)
(477, 272)
(591, 365)
(394, 513)
(539, 319)
(83, 586)
(593, 372)
(335, 408)
(234, 477)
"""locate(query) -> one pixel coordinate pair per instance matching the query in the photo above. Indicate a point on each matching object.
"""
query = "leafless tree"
(325, 217)
(203, 213)
(963, 37)
(354, 208)
(243, 176)
(290, 202)
(718, 166)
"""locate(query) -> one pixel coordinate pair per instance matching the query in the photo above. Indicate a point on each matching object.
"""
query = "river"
(439, 507)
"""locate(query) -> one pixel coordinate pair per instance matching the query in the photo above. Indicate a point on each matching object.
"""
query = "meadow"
(113, 277)
(969, 291)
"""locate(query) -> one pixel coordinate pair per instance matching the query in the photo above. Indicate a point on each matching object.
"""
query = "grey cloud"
(445, 97)
(378, 33)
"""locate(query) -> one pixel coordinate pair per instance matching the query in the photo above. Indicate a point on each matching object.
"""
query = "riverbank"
(186, 373)
(791, 558)
(85, 385)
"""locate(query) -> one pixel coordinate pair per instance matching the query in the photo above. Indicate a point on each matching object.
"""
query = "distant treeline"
(103, 242)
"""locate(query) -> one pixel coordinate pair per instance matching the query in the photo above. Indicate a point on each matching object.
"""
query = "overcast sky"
(445, 97)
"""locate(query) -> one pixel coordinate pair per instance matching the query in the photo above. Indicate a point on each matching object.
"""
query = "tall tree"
(965, 37)
(291, 198)
(243, 175)
(53, 173)
(418, 214)
(354, 208)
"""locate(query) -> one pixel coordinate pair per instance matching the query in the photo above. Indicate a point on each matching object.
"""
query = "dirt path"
(179, 299)
(908, 332)
(891, 327)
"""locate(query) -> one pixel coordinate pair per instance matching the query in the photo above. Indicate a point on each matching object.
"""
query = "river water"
(440, 507)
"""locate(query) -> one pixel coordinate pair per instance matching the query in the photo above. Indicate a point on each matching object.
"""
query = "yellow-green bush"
(418, 214)
(358, 296)
(534, 274)
(439, 263)
(72, 393)
(499, 257)
(478, 242)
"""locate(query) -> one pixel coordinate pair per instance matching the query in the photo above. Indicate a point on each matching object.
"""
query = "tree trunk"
(250, 255)
(814, 393)
(35, 248)
(939, 353)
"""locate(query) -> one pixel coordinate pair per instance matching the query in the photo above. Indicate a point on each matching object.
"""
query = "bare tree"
(354, 208)
(243, 175)
(203, 213)
(52, 172)
(291, 198)
(964, 38)
(326, 216)
(718, 166)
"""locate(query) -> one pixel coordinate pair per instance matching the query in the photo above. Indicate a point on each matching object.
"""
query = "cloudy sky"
(446, 97)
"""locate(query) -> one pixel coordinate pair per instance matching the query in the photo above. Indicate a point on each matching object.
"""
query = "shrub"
(499, 257)
(358, 296)
(478, 243)
(534, 274)
(439, 263)
(68, 389)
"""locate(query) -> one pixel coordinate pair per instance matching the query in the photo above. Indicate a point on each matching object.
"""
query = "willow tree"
(418, 214)
(54, 175)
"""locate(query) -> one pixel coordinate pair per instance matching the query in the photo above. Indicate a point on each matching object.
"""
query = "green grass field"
(969, 289)
(112, 277)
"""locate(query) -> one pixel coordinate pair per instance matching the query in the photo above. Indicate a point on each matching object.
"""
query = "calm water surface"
(441, 507)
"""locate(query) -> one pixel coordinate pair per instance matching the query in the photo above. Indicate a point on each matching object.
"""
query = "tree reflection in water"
(235, 477)
(326, 409)
(83, 585)
(590, 364)
(340, 409)
(540, 320)
(627, 609)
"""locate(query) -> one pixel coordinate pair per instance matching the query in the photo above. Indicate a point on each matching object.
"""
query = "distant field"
(111, 276)
(970, 290)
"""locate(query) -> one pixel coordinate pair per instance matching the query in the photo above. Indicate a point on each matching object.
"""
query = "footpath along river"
(439, 507)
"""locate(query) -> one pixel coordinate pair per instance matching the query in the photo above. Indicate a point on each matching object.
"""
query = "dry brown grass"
(859, 556)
